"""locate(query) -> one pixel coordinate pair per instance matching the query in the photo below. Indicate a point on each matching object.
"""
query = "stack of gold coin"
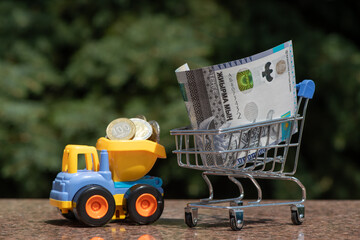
(133, 129)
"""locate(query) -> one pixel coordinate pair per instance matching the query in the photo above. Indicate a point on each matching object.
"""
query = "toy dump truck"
(113, 187)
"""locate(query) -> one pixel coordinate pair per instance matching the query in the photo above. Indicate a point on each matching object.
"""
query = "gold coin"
(143, 129)
(141, 117)
(156, 131)
(121, 129)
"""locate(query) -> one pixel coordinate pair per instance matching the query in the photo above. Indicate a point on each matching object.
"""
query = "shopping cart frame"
(224, 162)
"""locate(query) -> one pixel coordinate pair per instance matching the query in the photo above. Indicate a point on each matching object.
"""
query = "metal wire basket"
(254, 151)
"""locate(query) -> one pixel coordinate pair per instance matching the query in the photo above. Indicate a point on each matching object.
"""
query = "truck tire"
(145, 204)
(70, 215)
(95, 206)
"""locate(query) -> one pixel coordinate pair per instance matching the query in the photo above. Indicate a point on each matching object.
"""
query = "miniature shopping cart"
(254, 151)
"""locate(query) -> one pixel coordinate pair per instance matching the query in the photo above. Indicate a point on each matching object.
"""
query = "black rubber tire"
(295, 218)
(189, 221)
(233, 224)
(134, 193)
(70, 215)
(80, 209)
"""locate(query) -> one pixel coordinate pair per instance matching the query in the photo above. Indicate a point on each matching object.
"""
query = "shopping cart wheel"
(236, 219)
(297, 214)
(191, 215)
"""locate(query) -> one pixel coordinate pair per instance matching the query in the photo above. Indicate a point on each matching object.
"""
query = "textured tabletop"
(37, 219)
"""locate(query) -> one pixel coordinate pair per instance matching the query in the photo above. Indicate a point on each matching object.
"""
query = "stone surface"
(328, 219)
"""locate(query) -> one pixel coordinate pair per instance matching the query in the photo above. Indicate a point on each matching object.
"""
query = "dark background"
(68, 68)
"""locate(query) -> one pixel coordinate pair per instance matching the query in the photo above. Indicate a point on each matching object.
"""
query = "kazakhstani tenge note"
(252, 89)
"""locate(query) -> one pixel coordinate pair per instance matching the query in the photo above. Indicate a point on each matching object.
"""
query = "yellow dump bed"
(130, 160)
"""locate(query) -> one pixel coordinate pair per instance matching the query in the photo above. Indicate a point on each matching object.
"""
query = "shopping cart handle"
(306, 89)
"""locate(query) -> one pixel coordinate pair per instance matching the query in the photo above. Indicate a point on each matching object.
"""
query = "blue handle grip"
(306, 89)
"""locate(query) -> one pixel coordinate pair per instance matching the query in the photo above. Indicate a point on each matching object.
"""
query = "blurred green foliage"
(67, 68)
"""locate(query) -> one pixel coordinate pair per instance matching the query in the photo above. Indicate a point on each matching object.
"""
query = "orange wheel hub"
(146, 205)
(96, 206)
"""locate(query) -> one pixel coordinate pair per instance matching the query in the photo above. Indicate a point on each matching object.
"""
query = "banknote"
(248, 90)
